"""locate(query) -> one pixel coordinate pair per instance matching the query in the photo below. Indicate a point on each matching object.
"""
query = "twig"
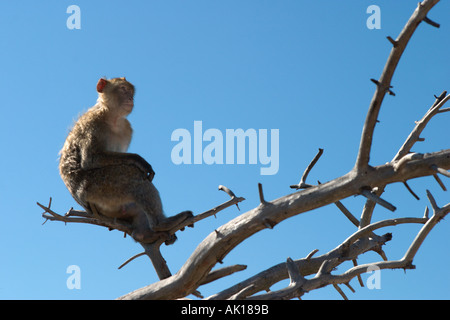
(131, 259)
(310, 255)
(373, 197)
(410, 190)
(441, 171)
(231, 194)
(398, 165)
(420, 126)
(438, 214)
(431, 23)
(425, 214)
(261, 194)
(294, 272)
(361, 283)
(444, 110)
(222, 272)
(439, 181)
(394, 43)
(302, 184)
(338, 289)
(347, 284)
(345, 211)
(75, 216)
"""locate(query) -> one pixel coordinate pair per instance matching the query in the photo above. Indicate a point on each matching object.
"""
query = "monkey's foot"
(172, 222)
(148, 236)
(171, 240)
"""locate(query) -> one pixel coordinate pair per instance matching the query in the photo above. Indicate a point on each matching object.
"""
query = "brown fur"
(99, 173)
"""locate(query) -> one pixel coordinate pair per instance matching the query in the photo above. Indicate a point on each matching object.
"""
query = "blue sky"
(302, 67)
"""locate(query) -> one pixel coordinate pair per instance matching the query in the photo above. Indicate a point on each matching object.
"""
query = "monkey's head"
(117, 94)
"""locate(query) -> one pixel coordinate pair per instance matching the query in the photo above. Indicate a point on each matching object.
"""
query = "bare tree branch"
(404, 156)
(324, 276)
(384, 83)
(364, 179)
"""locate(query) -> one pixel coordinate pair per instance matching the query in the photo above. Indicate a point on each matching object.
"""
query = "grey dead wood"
(362, 180)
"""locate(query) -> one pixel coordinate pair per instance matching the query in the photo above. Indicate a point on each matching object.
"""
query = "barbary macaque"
(102, 176)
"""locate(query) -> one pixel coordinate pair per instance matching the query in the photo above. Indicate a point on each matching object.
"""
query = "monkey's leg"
(160, 265)
(166, 224)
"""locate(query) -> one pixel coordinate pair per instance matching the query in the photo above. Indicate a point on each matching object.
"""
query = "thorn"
(269, 223)
(261, 195)
(442, 96)
(372, 196)
(439, 181)
(309, 256)
(302, 184)
(228, 191)
(441, 171)
(355, 264)
(390, 92)
(293, 271)
(394, 43)
(350, 287)
(431, 22)
(425, 214)
(339, 290)
(410, 190)
(432, 201)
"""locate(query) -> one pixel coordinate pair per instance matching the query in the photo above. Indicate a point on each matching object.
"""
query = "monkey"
(102, 177)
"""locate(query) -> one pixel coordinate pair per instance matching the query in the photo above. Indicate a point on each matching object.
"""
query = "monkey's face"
(118, 94)
(125, 96)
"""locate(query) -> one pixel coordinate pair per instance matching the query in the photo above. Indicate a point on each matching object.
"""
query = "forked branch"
(384, 83)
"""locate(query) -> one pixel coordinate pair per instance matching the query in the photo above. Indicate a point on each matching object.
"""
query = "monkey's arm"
(109, 158)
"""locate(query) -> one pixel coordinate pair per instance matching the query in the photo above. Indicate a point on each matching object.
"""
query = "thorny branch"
(364, 179)
(151, 249)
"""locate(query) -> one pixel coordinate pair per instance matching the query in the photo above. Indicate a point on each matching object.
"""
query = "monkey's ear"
(101, 84)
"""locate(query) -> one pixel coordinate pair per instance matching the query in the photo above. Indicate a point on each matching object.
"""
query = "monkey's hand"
(148, 171)
(150, 174)
(145, 167)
